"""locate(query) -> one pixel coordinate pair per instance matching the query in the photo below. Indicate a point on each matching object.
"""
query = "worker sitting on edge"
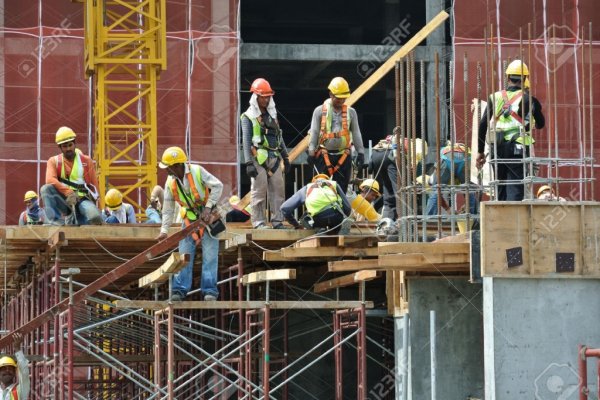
(238, 214)
(362, 204)
(326, 206)
(153, 212)
(33, 214)
(71, 183)
(197, 192)
(117, 211)
(333, 131)
(11, 387)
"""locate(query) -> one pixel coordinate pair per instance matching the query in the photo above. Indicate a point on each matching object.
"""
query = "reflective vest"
(260, 143)
(198, 196)
(326, 121)
(508, 121)
(322, 195)
(76, 175)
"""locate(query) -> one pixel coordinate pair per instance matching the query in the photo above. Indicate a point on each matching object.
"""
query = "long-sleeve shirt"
(40, 217)
(52, 174)
(23, 384)
(540, 121)
(271, 136)
(299, 198)
(336, 126)
(214, 185)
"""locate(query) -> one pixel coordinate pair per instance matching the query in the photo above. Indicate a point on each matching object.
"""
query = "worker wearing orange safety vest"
(71, 183)
(333, 131)
(197, 192)
(33, 214)
(511, 130)
(264, 150)
(10, 387)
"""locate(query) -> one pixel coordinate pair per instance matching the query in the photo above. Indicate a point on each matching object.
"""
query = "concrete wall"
(532, 330)
(459, 327)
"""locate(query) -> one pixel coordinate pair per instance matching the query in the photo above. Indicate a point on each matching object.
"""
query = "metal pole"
(405, 353)
(437, 140)
(433, 354)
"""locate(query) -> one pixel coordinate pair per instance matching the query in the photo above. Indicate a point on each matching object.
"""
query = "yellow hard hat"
(339, 87)
(171, 156)
(517, 68)
(30, 194)
(320, 176)
(370, 184)
(64, 134)
(7, 361)
(234, 200)
(543, 189)
(113, 199)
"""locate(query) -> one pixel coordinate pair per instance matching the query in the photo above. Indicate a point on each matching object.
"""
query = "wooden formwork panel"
(540, 239)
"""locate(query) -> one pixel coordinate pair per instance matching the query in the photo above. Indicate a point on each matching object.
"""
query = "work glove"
(360, 163)
(72, 199)
(206, 215)
(251, 169)
(287, 166)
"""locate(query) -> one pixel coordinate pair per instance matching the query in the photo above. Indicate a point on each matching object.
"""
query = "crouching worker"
(362, 204)
(33, 214)
(197, 193)
(118, 212)
(326, 206)
(71, 183)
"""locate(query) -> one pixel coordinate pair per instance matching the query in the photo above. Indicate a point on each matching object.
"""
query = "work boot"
(177, 297)
(210, 297)
(279, 226)
(262, 225)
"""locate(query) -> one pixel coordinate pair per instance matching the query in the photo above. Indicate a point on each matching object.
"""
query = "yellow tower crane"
(125, 51)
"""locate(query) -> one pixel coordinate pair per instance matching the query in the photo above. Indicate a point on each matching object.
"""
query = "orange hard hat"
(261, 87)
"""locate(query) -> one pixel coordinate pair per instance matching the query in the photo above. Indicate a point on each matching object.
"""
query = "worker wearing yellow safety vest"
(362, 204)
(510, 129)
(459, 155)
(264, 149)
(12, 388)
(326, 206)
(197, 192)
(71, 183)
(333, 131)
(33, 214)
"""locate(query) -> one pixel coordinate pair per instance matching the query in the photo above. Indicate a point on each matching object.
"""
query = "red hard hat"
(261, 87)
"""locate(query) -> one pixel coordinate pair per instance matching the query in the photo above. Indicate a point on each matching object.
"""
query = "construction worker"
(14, 385)
(153, 212)
(326, 206)
(362, 204)
(333, 131)
(117, 211)
(383, 167)
(197, 193)
(461, 154)
(509, 111)
(71, 183)
(33, 214)
(237, 213)
(547, 193)
(264, 149)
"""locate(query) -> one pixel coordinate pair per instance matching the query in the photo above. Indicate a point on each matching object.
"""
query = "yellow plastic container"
(462, 224)
(364, 208)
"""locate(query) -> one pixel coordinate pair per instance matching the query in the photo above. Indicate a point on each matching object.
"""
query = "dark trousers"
(386, 173)
(328, 219)
(342, 175)
(512, 171)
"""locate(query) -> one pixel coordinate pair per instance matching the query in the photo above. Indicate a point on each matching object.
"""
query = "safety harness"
(323, 201)
(326, 134)
(260, 143)
(83, 190)
(190, 214)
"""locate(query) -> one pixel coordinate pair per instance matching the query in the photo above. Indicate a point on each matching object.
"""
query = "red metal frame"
(584, 354)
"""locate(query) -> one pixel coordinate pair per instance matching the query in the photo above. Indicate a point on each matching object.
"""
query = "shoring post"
(266, 346)
(157, 347)
(582, 361)
(170, 353)
(337, 338)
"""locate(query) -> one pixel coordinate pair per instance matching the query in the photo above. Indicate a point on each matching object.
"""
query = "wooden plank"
(319, 241)
(431, 268)
(425, 248)
(326, 252)
(277, 256)
(270, 275)
(541, 230)
(245, 305)
(57, 239)
(174, 264)
(353, 265)
(346, 280)
(397, 261)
